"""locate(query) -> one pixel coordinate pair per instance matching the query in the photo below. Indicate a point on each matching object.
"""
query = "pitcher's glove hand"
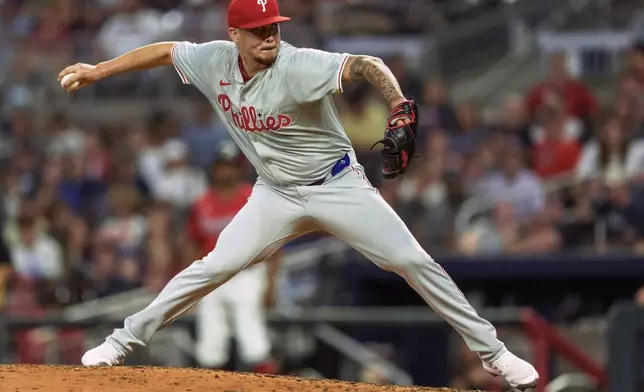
(399, 142)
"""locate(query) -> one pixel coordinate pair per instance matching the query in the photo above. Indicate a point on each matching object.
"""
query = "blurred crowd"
(94, 209)
(557, 170)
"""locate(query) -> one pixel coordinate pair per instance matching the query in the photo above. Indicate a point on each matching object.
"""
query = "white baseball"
(65, 79)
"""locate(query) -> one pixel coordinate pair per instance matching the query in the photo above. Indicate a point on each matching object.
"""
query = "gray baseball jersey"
(284, 118)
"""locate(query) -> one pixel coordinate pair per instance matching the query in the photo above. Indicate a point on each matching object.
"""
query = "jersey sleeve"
(313, 73)
(195, 62)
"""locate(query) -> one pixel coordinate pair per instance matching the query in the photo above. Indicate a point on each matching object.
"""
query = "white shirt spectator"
(524, 191)
(41, 260)
(180, 184)
(151, 166)
(70, 141)
(127, 31)
(126, 231)
(617, 169)
(431, 196)
(182, 187)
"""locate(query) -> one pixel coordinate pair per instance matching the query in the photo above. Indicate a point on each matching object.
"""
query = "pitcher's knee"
(409, 259)
(219, 269)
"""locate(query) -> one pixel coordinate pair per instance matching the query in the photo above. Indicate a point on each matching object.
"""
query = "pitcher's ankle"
(487, 357)
(117, 346)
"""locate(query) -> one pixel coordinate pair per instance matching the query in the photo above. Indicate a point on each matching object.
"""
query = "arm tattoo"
(374, 71)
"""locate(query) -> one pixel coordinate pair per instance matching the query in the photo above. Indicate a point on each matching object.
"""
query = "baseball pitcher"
(275, 100)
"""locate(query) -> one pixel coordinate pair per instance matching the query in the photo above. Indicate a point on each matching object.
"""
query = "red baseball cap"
(249, 14)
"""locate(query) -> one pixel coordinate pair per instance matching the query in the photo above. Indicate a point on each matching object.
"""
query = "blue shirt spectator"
(203, 135)
(515, 184)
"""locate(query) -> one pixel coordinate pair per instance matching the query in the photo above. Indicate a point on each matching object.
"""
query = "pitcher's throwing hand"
(79, 75)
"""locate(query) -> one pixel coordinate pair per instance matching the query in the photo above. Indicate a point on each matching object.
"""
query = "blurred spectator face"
(125, 172)
(629, 87)
(398, 66)
(156, 131)
(511, 163)
(29, 207)
(93, 143)
(92, 17)
(225, 175)
(558, 68)
(26, 160)
(12, 182)
(260, 44)
(636, 59)
(612, 134)
(160, 259)
(432, 183)
(176, 156)
(52, 172)
(639, 297)
(514, 114)
(160, 219)
(128, 6)
(171, 128)
(129, 269)
(498, 143)
(136, 138)
(61, 217)
(104, 262)
(75, 167)
(437, 143)
(20, 125)
(27, 230)
(123, 200)
(484, 157)
(78, 233)
(160, 253)
(468, 116)
(434, 93)
(624, 107)
(58, 123)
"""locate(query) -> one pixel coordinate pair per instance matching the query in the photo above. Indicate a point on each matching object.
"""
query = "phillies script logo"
(250, 121)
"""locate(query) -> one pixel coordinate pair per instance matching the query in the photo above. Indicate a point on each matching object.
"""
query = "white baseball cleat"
(103, 355)
(517, 372)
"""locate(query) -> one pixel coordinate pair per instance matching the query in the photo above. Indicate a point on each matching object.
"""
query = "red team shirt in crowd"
(553, 157)
(211, 213)
(577, 98)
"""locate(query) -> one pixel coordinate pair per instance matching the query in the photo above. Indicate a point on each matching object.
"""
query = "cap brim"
(265, 22)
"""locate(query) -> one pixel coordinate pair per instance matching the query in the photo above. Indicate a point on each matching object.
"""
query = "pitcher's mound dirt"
(30, 378)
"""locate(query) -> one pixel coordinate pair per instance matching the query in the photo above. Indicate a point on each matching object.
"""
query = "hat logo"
(263, 4)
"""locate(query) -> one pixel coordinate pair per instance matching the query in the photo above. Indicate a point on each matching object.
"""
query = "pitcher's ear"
(233, 33)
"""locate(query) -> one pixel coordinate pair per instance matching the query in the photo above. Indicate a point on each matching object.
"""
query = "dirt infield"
(30, 378)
